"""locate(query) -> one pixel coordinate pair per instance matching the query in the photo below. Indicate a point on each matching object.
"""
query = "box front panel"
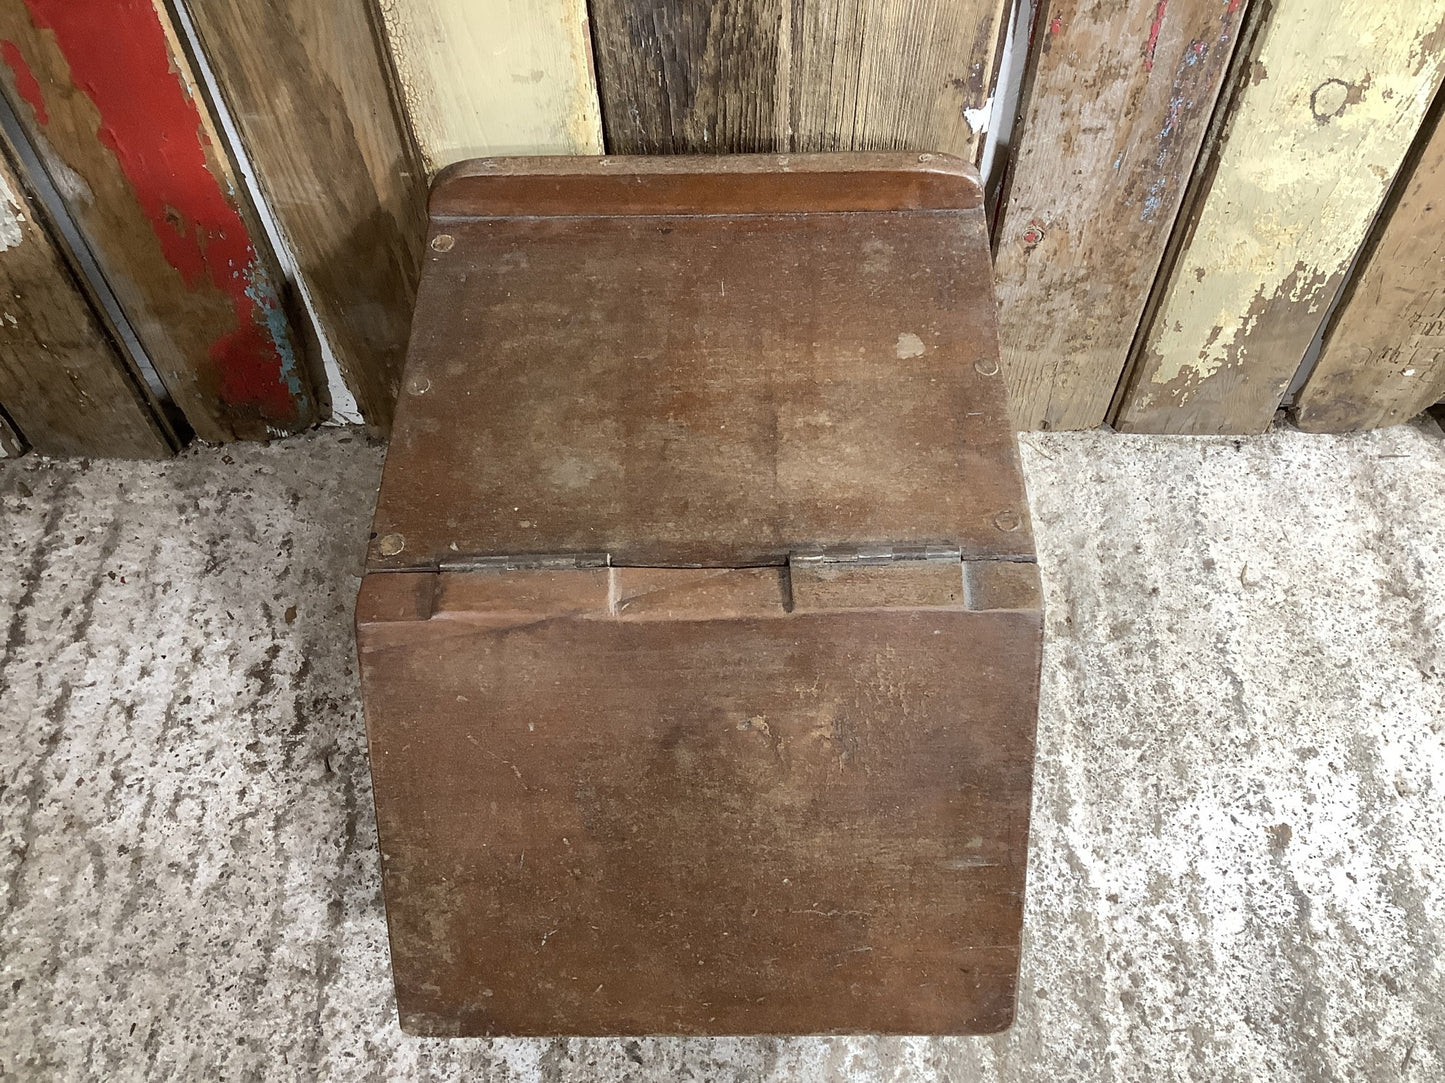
(766, 822)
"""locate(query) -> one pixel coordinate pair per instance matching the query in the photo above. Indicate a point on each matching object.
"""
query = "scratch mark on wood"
(1154, 28)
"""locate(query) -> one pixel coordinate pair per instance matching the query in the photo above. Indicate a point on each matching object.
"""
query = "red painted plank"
(120, 57)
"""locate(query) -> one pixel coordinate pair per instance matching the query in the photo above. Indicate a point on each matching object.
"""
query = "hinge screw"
(443, 242)
(986, 366)
(1007, 520)
(390, 545)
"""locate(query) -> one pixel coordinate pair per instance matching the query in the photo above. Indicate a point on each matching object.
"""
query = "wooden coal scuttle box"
(700, 631)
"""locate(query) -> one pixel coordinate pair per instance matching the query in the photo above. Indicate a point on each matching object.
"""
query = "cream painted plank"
(483, 77)
(1335, 95)
(1383, 359)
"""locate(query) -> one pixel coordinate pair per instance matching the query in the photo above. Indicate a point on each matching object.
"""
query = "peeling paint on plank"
(25, 81)
(11, 220)
(1105, 149)
(1306, 161)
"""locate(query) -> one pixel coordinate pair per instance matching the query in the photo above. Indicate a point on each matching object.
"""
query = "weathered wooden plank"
(1335, 94)
(1383, 358)
(62, 381)
(487, 77)
(1121, 97)
(310, 89)
(770, 75)
(111, 105)
(11, 445)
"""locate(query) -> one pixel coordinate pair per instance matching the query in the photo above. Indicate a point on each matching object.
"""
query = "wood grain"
(1120, 101)
(62, 381)
(1383, 359)
(805, 75)
(1315, 137)
(694, 381)
(310, 89)
(113, 108)
(722, 818)
(490, 77)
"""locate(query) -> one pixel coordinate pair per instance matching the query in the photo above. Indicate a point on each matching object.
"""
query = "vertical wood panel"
(483, 77)
(1335, 94)
(111, 105)
(770, 75)
(309, 87)
(62, 381)
(1122, 94)
(1383, 359)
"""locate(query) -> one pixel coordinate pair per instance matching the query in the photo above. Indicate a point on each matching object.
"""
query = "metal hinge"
(875, 554)
(527, 562)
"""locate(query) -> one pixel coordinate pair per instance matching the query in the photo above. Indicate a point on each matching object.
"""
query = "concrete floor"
(1239, 829)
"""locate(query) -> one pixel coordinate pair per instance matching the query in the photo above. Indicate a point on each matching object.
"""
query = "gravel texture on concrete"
(1236, 868)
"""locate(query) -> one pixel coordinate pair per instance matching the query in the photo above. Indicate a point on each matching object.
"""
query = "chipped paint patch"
(908, 345)
(26, 85)
(978, 118)
(262, 292)
(1154, 28)
(12, 216)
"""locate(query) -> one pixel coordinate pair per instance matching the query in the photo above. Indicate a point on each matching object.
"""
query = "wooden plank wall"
(495, 78)
(62, 381)
(1121, 97)
(1182, 204)
(111, 105)
(769, 75)
(1334, 98)
(1383, 358)
(310, 88)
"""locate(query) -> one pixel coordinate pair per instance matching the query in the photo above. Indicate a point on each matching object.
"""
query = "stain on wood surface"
(110, 104)
(495, 77)
(1120, 101)
(805, 75)
(309, 87)
(1316, 136)
(1383, 359)
(62, 381)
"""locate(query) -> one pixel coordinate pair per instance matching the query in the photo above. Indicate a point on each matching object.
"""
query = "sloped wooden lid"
(702, 362)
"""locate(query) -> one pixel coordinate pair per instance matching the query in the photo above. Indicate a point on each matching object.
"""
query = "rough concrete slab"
(1239, 829)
